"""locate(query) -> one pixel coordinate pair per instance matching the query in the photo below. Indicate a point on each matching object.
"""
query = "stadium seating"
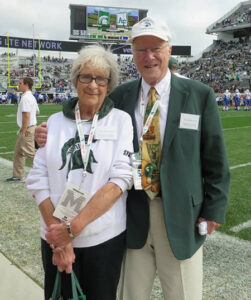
(225, 66)
(239, 17)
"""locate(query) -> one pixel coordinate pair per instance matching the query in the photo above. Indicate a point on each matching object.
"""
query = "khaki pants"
(24, 148)
(180, 279)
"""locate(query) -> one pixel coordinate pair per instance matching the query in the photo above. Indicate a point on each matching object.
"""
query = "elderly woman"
(80, 180)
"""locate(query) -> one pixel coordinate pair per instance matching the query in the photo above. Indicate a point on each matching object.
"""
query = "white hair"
(100, 59)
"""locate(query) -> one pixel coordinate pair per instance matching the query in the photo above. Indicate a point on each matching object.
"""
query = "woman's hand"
(63, 258)
(57, 235)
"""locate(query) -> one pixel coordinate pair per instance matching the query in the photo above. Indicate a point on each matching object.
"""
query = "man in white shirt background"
(26, 121)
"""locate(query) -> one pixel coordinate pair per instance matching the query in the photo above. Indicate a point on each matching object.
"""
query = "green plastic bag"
(56, 294)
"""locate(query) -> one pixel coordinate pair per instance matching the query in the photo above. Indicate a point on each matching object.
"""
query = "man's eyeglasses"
(88, 79)
(156, 50)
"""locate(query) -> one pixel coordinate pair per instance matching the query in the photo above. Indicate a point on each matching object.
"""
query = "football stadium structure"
(223, 65)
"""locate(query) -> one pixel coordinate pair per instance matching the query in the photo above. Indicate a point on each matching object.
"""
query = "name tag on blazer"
(189, 121)
(105, 133)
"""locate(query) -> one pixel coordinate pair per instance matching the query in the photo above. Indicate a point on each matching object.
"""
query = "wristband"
(68, 227)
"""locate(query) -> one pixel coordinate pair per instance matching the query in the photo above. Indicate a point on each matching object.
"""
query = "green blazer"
(194, 171)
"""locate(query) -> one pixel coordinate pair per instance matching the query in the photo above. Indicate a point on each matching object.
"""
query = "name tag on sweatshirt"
(189, 121)
(105, 133)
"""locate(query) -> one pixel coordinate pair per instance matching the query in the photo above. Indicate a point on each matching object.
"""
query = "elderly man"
(26, 121)
(179, 182)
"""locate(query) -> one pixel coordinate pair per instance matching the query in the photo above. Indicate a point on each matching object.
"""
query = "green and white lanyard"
(150, 117)
(137, 156)
(85, 147)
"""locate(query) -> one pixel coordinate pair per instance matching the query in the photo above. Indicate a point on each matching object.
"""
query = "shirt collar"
(161, 87)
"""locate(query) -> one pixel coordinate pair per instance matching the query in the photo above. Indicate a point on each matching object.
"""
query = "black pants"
(97, 269)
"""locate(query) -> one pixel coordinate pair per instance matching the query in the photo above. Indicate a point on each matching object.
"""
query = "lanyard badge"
(85, 148)
(73, 199)
(136, 170)
(71, 203)
(137, 156)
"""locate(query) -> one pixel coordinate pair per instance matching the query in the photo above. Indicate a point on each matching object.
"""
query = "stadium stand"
(239, 17)
(225, 65)
(128, 70)
(55, 73)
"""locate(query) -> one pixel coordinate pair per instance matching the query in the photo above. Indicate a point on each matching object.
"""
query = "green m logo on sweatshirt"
(72, 148)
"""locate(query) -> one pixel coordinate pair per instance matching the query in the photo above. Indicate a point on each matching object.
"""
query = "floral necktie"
(151, 151)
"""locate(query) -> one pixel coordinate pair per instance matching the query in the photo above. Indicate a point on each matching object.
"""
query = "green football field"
(237, 132)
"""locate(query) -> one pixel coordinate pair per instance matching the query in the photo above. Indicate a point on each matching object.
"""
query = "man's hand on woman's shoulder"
(41, 134)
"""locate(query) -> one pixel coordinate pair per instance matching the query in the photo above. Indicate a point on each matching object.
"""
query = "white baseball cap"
(148, 26)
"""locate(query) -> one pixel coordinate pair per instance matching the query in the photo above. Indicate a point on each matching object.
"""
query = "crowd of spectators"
(5, 54)
(240, 17)
(128, 69)
(226, 66)
(54, 72)
(55, 59)
(53, 86)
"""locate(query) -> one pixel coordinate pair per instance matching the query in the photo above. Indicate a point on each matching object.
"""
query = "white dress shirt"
(163, 92)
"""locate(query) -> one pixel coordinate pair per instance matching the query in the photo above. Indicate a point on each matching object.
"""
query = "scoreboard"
(103, 23)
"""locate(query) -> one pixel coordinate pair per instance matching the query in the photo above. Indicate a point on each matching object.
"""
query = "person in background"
(40, 98)
(180, 188)
(4, 98)
(237, 100)
(86, 154)
(26, 121)
(247, 100)
(173, 67)
(45, 98)
(219, 100)
(226, 100)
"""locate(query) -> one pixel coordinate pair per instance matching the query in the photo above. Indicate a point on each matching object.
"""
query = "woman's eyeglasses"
(88, 79)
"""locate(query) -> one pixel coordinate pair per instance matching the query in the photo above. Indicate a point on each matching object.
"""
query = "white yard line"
(243, 127)
(240, 166)
(241, 226)
(236, 116)
(5, 132)
(11, 116)
(3, 153)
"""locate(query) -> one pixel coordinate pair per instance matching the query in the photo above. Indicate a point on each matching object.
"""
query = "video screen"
(110, 23)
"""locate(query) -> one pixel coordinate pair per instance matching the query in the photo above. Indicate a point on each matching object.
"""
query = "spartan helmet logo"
(146, 24)
(72, 148)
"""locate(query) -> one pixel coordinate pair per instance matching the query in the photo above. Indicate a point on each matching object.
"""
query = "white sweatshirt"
(110, 163)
